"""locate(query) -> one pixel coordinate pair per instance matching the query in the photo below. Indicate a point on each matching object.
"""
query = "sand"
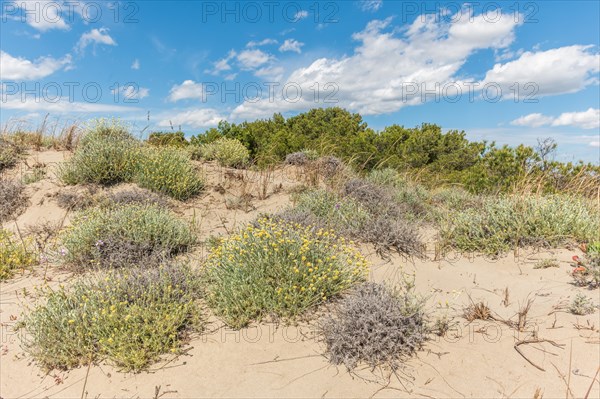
(475, 359)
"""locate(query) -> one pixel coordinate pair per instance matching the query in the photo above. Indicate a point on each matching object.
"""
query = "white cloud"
(291, 45)
(42, 15)
(17, 68)
(196, 118)
(371, 5)
(301, 15)
(188, 89)
(63, 106)
(95, 36)
(373, 79)
(533, 120)
(594, 143)
(132, 92)
(557, 71)
(251, 59)
(589, 119)
(136, 64)
(271, 74)
(263, 42)
(222, 64)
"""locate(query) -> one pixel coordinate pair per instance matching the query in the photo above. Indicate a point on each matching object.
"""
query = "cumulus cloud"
(291, 45)
(589, 119)
(533, 120)
(557, 71)
(18, 68)
(251, 59)
(373, 79)
(195, 118)
(95, 37)
(188, 89)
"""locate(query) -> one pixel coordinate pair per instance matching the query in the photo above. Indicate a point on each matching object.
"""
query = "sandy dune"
(475, 359)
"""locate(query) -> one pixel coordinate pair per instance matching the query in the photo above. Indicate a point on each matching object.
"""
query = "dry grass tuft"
(477, 311)
(12, 199)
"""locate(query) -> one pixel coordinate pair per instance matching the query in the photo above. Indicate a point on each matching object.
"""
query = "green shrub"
(227, 152)
(581, 305)
(278, 269)
(128, 317)
(502, 223)
(14, 255)
(168, 171)
(365, 213)
(107, 154)
(173, 139)
(344, 215)
(117, 236)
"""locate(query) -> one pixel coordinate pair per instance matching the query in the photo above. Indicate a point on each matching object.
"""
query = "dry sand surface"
(475, 359)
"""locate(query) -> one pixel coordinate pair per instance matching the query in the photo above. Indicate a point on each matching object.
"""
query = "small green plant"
(117, 236)
(278, 269)
(107, 154)
(14, 255)
(37, 173)
(581, 305)
(546, 263)
(168, 171)
(375, 325)
(227, 152)
(128, 317)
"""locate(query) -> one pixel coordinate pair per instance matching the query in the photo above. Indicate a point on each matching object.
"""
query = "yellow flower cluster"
(13, 255)
(290, 266)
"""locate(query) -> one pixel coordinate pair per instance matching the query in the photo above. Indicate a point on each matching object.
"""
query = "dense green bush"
(425, 152)
(227, 152)
(117, 236)
(128, 317)
(107, 154)
(499, 224)
(278, 269)
(168, 171)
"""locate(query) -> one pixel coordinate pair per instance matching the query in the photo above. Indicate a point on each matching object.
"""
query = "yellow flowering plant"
(128, 317)
(14, 255)
(279, 269)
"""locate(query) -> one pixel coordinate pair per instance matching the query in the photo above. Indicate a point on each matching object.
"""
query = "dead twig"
(534, 341)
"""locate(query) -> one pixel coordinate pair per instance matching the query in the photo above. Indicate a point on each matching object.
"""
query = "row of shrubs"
(109, 154)
(425, 152)
(136, 302)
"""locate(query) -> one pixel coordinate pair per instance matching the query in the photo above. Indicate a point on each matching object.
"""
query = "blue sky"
(512, 74)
